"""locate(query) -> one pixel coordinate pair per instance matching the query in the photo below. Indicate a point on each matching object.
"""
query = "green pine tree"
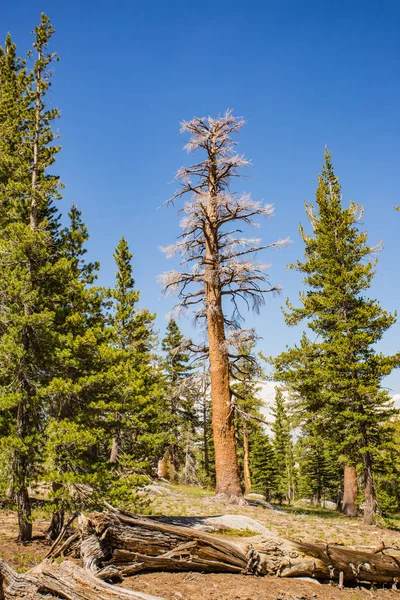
(283, 450)
(262, 461)
(32, 271)
(74, 433)
(246, 374)
(338, 269)
(318, 467)
(133, 391)
(180, 396)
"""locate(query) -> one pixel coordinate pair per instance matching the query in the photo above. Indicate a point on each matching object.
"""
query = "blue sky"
(302, 73)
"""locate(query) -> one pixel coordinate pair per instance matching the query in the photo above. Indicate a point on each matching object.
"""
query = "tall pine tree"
(283, 448)
(73, 434)
(32, 270)
(338, 269)
(180, 393)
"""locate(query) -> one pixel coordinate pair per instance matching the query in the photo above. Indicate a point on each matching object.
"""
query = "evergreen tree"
(283, 449)
(262, 460)
(133, 394)
(32, 271)
(246, 374)
(338, 270)
(180, 393)
(125, 298)
(73, 433)
(319, 474)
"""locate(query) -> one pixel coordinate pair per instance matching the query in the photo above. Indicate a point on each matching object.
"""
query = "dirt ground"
(198, 586)
(301, 524)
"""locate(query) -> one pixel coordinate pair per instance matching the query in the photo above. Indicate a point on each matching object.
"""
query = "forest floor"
(298, 523)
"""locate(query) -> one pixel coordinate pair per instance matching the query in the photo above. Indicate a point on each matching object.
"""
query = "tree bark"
(19, 469)
(65, 581)
(369, 491)
(350, 492)
(24, 514)
(246, 467)
(174, 461)
(57, 518)
(226, 464)
(164, 466)
(115, 448)
(117, 545)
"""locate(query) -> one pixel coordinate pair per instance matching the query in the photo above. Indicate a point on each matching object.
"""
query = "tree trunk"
(20, 459)
(114, 454)
(56, 524)
(174, 460)
(57, 518)
(246, 468)
(24, 514)
(226, 464)
(164, 466)
(117, 545)
(350, 492)
(19, 470)
(65, 581)
(35, 168)
(370, 499)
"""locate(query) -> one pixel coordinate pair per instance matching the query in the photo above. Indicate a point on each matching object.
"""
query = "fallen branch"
(64, 581)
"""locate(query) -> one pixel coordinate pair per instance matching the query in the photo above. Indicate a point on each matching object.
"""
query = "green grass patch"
(237, 532)
(311, 511)
(25, 560)
(194, 491)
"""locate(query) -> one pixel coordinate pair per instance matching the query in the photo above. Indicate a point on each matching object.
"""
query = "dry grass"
(297, 523)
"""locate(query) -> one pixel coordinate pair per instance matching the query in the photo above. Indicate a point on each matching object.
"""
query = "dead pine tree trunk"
(246, 467)
(350, 492)
(226, 464)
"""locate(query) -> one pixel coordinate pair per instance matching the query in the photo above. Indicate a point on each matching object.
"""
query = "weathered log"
(116, 545)
(65, 581)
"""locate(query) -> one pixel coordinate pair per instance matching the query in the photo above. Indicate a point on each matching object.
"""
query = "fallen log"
(115, 545)
(65, 581)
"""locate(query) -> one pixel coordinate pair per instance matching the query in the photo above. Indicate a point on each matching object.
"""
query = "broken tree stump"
(65, 581)
(116, 545)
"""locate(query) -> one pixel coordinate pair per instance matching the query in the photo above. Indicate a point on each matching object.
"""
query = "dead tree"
(117, 545)
(65, 581)
(220, 265)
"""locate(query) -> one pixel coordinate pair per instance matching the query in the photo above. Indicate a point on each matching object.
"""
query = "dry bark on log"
(64, 581)
(117, 545)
